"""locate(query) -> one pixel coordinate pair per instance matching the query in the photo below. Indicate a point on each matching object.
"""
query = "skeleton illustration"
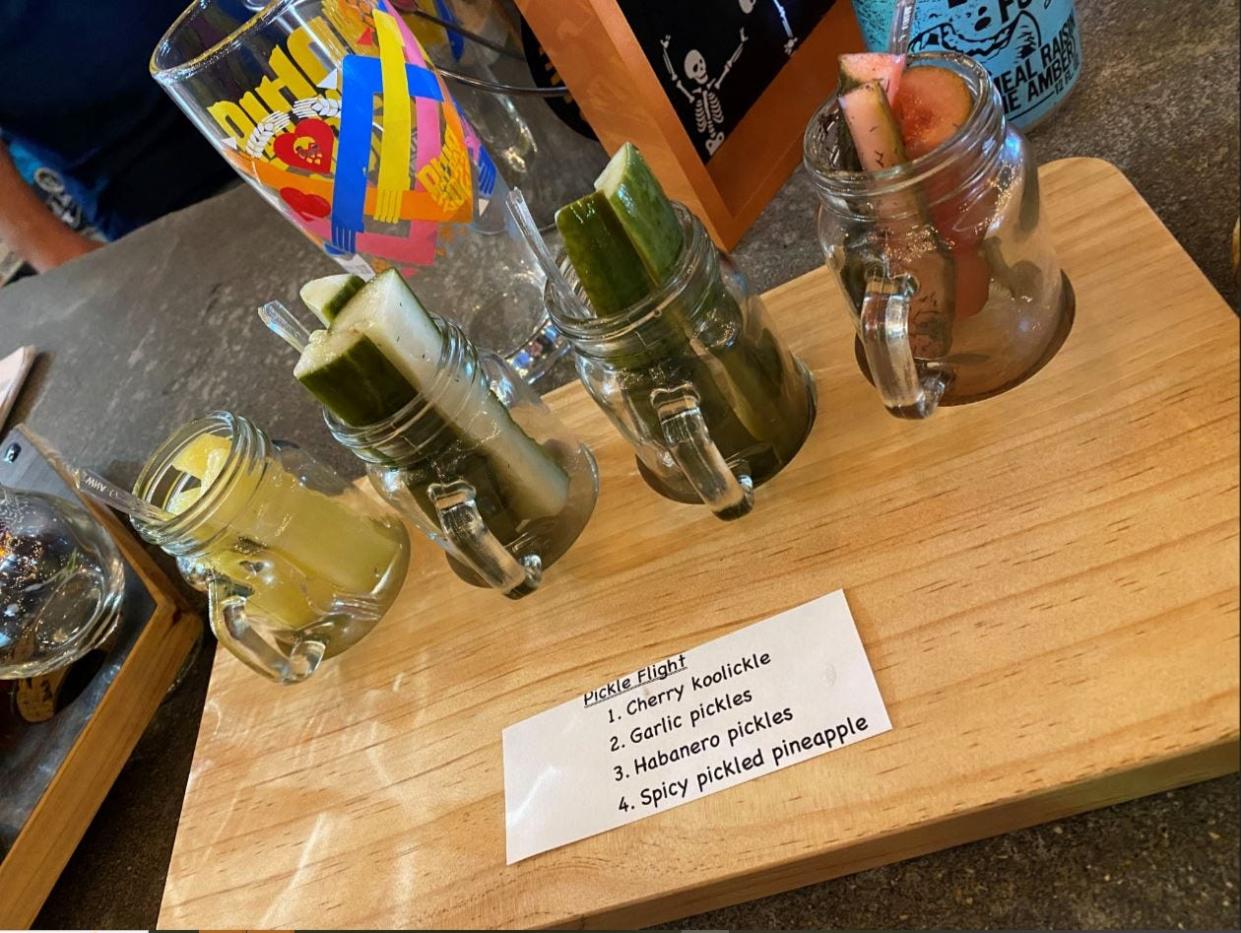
(790, 43)
(708, 111)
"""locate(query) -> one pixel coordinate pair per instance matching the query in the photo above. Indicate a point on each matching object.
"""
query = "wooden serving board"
(1046, 584)
(56, 773)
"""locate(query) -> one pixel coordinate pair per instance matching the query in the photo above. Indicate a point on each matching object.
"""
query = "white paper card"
(774, 694)
(13, 370)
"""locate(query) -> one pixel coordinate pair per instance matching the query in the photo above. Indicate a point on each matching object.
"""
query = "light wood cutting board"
(1046, 584)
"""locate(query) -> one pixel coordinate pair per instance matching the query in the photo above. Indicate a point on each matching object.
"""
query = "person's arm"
(29, 228)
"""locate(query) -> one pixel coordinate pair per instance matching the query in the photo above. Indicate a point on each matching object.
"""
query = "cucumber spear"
(381, 351)
(327, 296)
(625, 240)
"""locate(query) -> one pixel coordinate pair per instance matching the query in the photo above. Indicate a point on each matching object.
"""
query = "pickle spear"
(349, 374)
(382, 350)
(625, 240)
(327, 296)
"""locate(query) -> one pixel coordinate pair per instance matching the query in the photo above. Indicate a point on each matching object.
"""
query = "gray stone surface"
(160, 327)
(1163, 862)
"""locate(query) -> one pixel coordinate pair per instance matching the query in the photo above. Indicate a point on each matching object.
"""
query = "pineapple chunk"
(184, 499)
(202, 457)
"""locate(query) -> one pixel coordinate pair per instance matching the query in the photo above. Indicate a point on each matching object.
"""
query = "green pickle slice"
(623, 238)
(606, 261)
(383, 350)
(346, 371)
(327, 296)
(625, 241)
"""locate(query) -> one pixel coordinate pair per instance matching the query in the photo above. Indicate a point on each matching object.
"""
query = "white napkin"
(13, 369)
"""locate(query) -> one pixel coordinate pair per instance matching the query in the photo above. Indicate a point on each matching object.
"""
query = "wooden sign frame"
(603, 64)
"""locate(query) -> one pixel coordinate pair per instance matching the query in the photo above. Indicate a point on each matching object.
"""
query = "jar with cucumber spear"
(674, 346)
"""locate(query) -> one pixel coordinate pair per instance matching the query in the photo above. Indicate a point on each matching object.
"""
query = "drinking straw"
(108, 493)
(902, 27)
(520, 212)
(281, 322)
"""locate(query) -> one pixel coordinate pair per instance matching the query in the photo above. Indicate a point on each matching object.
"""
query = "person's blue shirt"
(79, 110)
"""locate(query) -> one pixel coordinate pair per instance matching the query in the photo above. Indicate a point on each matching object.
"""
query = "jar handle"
(685, 431)
(463, 524)
(233, 624)
(885, 338)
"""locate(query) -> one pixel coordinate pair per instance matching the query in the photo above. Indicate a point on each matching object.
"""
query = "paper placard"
(13, 370)
(774, 694)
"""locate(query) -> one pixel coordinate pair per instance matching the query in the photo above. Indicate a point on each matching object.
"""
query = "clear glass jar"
(481, 465)
(695, 378)
(297, 564)
(61, 583)
(949, 269)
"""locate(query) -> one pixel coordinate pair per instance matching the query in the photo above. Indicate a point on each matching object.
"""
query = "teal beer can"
(1032, 48)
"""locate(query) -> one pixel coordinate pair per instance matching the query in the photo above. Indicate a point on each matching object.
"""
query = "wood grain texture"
(51, 833)
(1046, 584)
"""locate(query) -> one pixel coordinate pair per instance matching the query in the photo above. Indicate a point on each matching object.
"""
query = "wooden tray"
(56, 773)
(1046, 584)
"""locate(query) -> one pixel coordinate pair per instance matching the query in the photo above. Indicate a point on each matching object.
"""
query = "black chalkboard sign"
(716, 93)
(716, 57)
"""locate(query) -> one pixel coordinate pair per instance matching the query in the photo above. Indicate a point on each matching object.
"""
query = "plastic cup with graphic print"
(332, 112)
(505, 88)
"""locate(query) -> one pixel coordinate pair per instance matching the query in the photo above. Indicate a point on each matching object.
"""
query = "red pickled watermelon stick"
(931, 105)
(877, 139)
(858, 68)
(873, 127)
(855, 70)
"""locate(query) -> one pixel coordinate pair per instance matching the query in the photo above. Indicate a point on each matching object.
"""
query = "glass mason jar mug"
(61, 583)
(297, 564)
(955, 289)
(694, 377)
(480, 464)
